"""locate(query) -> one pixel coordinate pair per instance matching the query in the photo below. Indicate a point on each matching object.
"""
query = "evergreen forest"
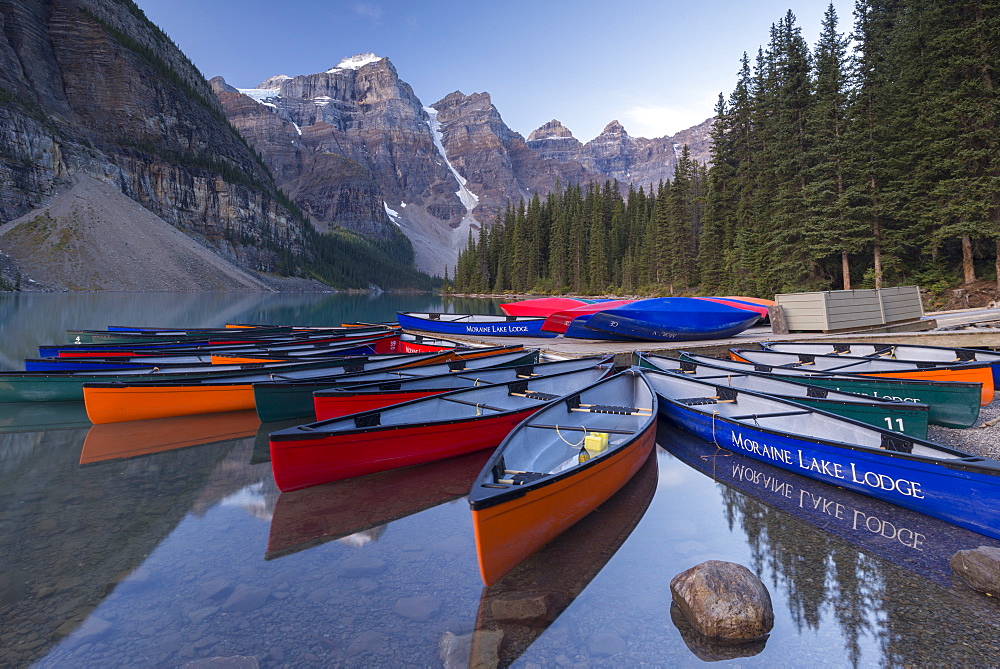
(868, 161)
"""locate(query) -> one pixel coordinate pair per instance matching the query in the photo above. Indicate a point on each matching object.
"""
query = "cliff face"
(614, 154)
(496, 161)
(354, 147)
(92, 88)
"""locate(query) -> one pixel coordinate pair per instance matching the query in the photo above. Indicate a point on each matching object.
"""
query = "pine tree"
(829, 232)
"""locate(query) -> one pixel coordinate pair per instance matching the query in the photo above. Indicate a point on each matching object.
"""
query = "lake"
(163, 543)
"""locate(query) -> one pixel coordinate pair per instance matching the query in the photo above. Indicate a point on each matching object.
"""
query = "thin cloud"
(368, 10)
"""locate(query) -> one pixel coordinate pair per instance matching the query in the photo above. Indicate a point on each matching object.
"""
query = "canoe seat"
(520, 478)
(608, 408)
(692, 401)
(897, 444)
(537, 395)
(368, 420)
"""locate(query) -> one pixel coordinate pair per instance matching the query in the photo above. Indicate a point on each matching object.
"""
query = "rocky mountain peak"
(274, 82)
(551, 130)
(355, 62)
(614, 128)
(219, 84)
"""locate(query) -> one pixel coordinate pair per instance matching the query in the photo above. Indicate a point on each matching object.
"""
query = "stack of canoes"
(657, 319)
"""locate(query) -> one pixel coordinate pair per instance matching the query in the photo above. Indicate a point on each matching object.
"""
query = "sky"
(656, 66)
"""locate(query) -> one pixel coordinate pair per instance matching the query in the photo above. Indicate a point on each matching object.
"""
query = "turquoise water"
(189, 552)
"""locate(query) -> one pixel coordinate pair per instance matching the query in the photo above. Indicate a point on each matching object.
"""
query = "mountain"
(616, 155)
(91, 89)
(353, 146)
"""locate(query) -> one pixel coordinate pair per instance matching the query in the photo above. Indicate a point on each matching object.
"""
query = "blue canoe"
(673, 319)
(473, 324)
(935, 480)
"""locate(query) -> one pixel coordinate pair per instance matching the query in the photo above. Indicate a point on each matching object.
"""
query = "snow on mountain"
(355, 62)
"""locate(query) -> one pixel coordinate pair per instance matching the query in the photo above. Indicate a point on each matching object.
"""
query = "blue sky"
(657, 66)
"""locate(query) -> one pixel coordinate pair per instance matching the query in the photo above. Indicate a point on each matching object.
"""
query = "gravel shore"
(982, 439)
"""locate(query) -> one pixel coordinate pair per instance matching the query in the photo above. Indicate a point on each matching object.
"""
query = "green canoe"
(909, 418)
(281, 400)
(951, 404)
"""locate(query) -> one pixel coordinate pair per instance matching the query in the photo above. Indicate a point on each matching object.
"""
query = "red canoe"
(541, 307)
(558, 321)
(411, 433)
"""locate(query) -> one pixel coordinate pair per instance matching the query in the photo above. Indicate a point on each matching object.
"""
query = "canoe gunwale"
(479, 500)
(312, 431)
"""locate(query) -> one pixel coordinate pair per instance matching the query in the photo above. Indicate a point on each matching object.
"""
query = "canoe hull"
(300, 463)
(517, 327)
(110, 404)
(963, 496)
(509, 532)
(673, 319)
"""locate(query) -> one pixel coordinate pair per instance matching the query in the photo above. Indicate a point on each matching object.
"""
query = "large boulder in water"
(980, 568)
(724, 600)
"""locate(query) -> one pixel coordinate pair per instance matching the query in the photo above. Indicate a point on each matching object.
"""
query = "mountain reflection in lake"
(150, 557)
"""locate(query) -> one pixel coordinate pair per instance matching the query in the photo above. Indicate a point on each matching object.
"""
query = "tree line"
(869, 160)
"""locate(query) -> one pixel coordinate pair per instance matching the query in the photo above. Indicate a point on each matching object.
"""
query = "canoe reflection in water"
(920, 544)
(117, 441)
(313, 516)
(515, 610)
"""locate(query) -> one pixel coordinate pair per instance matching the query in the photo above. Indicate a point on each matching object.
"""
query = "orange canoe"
(558, 466)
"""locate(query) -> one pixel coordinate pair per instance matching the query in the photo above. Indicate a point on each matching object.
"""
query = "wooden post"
(778, 323)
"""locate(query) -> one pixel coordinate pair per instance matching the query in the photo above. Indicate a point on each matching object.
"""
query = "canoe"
(559, 320)
(141, 399)
(357, 508)
(68, 386)
(949, 403)
(673, 319)
(911, 352)
(473, 324)
(572, 322)
(154, 336)
(739, 304)
(423, 430)
(118, 441)
(895, 415)
(558, 573)
(935, 480)
(216, 355)
(139, 347)
(902, 538)
(752, 300)
(337, 402)
(284, 400)
(541, 306)
(558, 466)
(970, 372)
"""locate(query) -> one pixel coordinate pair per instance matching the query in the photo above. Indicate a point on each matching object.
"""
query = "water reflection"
(312, 516)
(834, 550)
(34, 416)
(68, 536)
(517, 609)
(130, 439)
